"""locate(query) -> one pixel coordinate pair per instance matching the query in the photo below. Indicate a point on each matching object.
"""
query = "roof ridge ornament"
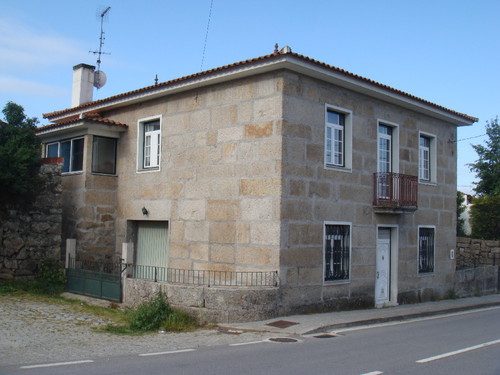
(285, 50)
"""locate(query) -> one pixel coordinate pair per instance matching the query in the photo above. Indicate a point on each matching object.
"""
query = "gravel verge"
(34, 330)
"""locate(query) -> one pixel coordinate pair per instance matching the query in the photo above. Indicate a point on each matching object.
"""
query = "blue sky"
(444, 51)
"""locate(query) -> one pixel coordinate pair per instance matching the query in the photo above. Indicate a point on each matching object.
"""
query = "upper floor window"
(149, 144)
(425, 250)
(337, 252)
(427, 158)
(384, 148)
(104, 155)
(71, 150)
(338, 138)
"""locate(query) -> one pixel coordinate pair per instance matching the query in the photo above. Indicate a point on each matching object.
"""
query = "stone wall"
(474, 252)
(30, 236)
(474, 281)
(209, 304)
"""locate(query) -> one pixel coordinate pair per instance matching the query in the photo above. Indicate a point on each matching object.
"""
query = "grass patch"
(152, 315)
(49, 281)
(36, 287)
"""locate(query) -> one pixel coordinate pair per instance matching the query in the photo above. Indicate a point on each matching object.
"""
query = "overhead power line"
(465, 139)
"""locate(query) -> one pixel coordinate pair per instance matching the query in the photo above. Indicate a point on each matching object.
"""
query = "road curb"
(400, 318)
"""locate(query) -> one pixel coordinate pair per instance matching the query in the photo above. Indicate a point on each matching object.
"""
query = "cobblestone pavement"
(36, 331)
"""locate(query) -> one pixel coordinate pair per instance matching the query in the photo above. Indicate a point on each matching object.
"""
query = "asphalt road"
(459, 344)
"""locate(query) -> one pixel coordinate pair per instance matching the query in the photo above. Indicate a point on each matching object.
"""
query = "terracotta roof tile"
(269, 57)
(75, 119)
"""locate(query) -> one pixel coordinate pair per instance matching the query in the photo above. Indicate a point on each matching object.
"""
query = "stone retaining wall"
(31, 236)
(474, 281)
(209, 304)
(474, 252)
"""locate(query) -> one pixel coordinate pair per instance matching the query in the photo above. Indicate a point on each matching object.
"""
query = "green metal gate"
(95, 279)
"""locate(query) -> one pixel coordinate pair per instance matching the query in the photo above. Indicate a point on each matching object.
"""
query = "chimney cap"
(83, 65)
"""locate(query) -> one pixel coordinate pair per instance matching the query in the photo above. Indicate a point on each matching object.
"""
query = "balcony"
(394, 193)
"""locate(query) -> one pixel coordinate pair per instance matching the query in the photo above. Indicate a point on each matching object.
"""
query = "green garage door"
(152, 243)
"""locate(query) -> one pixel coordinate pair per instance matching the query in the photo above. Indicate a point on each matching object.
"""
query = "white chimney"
(83, 84)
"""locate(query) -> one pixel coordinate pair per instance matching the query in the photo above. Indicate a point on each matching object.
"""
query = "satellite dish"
(99, 79)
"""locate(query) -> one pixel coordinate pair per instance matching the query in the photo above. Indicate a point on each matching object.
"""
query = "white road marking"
(373, 373)
(56, 364)
(396, 323)
(460, 351)
(170, 352)
(248, 343)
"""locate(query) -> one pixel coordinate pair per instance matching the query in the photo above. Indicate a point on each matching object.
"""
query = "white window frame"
(154, 137)
(394, 138)
(71, 149)
(340, 281)
(432, 159)
(433, 227)
(346, 164)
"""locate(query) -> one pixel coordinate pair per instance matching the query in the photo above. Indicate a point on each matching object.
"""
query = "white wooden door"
(383, 267)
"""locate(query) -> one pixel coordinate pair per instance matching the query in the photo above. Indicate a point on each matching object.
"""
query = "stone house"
(343, 186)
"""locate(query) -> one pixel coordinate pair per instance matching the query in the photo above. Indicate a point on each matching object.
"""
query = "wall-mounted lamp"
(144, 211)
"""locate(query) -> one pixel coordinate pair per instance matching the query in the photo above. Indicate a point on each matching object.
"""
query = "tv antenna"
(99, 76)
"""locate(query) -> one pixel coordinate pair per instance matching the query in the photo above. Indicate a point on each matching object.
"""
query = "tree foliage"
(485, 210)
(19, 157)
(487, 167)
(485, 217)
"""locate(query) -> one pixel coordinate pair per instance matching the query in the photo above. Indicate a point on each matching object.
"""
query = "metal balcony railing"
(395, 190)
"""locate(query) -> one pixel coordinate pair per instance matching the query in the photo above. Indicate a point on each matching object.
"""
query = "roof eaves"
(356, 81)
(76, 121)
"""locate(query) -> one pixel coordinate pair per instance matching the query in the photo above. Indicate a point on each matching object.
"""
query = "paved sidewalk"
(325, 322)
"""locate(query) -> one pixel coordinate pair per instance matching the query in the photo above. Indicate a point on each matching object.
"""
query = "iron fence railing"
(203, 277)
(96, 266)
(395, 190)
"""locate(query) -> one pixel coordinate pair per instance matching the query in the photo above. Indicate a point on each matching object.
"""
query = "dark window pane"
(66, 155)
(77, 150)
(336, 118)
(104, 155)
(53, 150)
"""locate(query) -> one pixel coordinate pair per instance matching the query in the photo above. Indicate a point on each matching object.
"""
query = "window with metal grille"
(337, 252)
(425, 250)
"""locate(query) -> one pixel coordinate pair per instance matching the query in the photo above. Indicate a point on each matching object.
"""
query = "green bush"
(150, 315)
(153, 315)
(50, 278)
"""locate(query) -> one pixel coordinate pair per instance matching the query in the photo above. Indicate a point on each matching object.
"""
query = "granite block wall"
(30, 236)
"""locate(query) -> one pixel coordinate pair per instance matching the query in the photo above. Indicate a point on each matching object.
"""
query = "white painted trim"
(139, 141)
(337, 282)
(433, 158)
(394, 144)
(348, 132)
